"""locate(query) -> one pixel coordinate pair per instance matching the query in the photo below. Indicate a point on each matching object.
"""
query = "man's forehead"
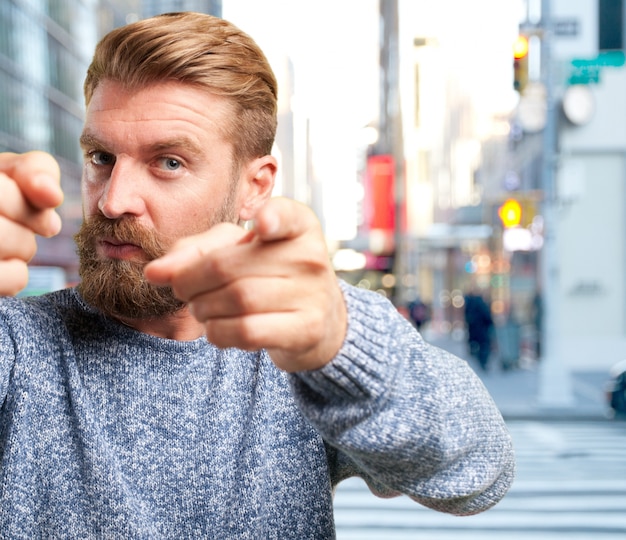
(163, 115)
(110, 94)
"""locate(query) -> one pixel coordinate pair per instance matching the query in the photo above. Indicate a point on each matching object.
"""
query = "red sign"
(380, 208)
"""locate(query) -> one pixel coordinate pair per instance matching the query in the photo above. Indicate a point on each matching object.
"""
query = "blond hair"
(200, 50)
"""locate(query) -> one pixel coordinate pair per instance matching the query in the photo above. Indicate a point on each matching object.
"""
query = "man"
(205, 381)
(479, 325)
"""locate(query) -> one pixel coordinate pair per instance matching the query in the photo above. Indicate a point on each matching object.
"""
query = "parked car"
(616, 390)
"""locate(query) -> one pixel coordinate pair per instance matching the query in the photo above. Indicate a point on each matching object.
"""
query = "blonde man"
(204, 381)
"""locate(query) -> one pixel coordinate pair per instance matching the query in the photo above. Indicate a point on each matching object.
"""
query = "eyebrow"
(178, 142)
(88, 140)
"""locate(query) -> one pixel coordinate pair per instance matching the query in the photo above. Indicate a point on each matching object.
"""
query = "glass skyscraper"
(45, 47)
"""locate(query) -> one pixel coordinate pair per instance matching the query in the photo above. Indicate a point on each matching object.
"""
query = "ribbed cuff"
(366, 364)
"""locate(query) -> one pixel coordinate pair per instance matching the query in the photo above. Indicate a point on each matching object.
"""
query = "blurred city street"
(449, 149)
(571, 466)
(516, 391)
(569, 485)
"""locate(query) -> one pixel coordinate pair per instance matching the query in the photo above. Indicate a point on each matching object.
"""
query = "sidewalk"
(519, 392)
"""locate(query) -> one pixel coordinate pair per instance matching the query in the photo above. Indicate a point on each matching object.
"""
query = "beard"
(118, 287)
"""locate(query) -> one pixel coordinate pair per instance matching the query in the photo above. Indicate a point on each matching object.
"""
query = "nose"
(122, 194)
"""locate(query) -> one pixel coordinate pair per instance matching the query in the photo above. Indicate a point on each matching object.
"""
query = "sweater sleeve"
(406, 416)
(7, 351)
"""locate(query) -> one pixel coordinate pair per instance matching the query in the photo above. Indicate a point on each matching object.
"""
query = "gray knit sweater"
(106, 432)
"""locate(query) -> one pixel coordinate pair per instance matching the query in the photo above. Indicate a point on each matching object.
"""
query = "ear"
(256, 185)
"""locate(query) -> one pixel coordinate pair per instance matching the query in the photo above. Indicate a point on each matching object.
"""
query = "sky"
(474, 40)
(333, 45)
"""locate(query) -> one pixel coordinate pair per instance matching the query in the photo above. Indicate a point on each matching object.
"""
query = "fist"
(29, 192)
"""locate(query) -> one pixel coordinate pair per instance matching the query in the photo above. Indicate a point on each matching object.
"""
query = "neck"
(180, 326)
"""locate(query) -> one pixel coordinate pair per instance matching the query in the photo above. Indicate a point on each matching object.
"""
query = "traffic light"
(520, 63)
(510, 213)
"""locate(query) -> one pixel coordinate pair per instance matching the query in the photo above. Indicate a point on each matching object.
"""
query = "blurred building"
(589, 85)
(154, 7)
(45, 49)
(456, 147)
(458, 177)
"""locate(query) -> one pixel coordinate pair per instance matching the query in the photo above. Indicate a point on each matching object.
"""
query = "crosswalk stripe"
(571, 483)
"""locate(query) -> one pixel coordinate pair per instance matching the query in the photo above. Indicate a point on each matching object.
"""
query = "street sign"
(567, 27)
(588, 74)
(587, 70)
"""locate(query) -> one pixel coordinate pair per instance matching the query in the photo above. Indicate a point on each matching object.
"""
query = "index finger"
(37, 176)
(190, 251)
(282, 219)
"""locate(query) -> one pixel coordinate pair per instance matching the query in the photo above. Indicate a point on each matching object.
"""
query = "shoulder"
(36, 313)
(41, 304)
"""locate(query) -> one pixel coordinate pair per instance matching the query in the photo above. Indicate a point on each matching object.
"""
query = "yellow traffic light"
(510, 213)
(520, 47)
(520, 63)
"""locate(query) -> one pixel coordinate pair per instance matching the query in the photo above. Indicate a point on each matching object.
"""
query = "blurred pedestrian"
(537, 320)
(419, 313)
(479, 324)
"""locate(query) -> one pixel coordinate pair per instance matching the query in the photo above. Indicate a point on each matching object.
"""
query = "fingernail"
(41, 180)
(271, 224)
(55, 223)
(50, 185)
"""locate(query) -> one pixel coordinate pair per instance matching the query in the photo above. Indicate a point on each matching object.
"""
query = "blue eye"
(172, 164)
(102, 158)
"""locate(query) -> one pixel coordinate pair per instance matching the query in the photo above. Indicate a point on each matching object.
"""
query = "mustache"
(123, 230)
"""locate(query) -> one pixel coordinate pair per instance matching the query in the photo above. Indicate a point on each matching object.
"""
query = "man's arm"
(29, 192)
(411, 418)
(408, 417)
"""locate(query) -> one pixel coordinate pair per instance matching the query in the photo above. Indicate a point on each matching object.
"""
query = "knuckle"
(246, 333)
(244, 298)
(250, 334)
(20, 244)
(316, 256)
(37, 160)
(10, 194)
(219, 267)
(29, 247)
(21, 280)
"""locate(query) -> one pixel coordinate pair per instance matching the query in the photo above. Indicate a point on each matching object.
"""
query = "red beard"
(117, 287)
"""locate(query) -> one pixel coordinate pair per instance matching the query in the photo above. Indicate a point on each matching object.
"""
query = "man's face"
(156, 169)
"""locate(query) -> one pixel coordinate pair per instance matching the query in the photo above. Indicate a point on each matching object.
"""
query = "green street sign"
(587, 70)
(584, 75)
